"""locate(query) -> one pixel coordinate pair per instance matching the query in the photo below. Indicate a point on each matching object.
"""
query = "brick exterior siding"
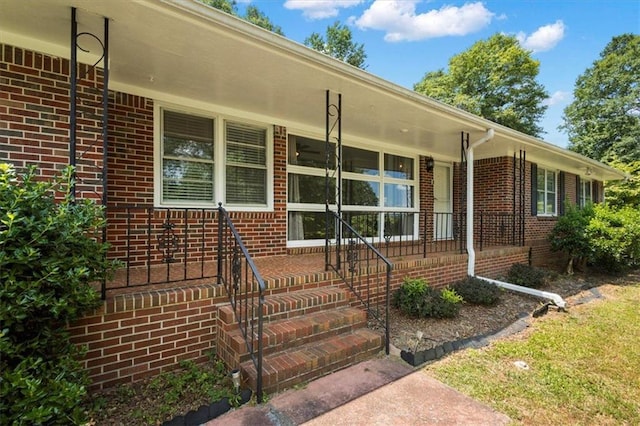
(136, 335)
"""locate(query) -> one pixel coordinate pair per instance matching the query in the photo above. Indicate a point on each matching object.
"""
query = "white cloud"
(320, 9)
(401, 22)
(557, 97)
(544, 38)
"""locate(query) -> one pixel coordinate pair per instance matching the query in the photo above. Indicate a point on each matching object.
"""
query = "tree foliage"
(607, 237)
(49, 255)
(603, 121)
(495, 79)
(257, 17)
(625, 192)
(252, 14)
(338, 43)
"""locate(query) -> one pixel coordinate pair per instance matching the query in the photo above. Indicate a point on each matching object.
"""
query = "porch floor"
(294, 264)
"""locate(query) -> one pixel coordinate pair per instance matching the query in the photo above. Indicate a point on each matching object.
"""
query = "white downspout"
(471, 265)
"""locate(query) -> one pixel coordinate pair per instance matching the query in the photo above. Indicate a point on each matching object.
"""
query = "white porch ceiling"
(184, 51)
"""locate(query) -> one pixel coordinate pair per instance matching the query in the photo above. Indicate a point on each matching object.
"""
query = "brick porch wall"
(134, 336)
(34, 116)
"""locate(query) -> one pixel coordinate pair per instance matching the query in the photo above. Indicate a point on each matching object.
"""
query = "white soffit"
(190, 53)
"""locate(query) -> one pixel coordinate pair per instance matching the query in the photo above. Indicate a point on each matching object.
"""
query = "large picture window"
(378, 190)
(199, 168)
(546, 192)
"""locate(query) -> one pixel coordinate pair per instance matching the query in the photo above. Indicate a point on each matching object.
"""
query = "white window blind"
(187, 158)
(246, 158)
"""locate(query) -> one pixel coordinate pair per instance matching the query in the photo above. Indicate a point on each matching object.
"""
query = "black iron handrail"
(365, 271)
(245, 288)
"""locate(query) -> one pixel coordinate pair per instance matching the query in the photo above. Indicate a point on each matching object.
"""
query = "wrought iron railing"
(444, 232)
(160, 245)
(245, 288)
(499, 229)
(167, 245)
(364, 269)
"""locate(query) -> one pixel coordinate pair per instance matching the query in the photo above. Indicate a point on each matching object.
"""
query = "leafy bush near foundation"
(415, 298)
(49, 256)
(526, 276)
(477, 292)
(614, 236)
(569, 234)
(605, 236)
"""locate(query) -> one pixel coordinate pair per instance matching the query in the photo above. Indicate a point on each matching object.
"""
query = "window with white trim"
(378, 190)
(586, 194)
(546, 192)
(192, 172)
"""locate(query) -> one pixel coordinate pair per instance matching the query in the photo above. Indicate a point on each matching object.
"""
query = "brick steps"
(285, 369)
(289, 305)
(291, 332)
(307, 333)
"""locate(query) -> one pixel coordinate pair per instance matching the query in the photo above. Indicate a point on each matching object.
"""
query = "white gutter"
(555, 298)
(471, 252)
(471, 265)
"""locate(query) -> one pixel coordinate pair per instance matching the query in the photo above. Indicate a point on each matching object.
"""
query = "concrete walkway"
(382, 391)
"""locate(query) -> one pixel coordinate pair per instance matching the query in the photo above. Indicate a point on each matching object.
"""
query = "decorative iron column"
(333, 129)
(73, 98)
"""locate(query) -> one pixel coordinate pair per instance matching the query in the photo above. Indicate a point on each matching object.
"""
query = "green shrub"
(416, 298)
(526, 276)
(478, 292)
(408, 298)
(569, 234)
(614, 235)
(49, 256)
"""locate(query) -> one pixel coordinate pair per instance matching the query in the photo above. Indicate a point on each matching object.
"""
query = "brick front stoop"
(307, 334)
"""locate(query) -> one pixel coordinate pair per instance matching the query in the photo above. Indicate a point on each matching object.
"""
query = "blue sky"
(404, 39)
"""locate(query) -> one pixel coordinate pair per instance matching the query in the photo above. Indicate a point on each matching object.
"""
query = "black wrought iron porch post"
(72, 98)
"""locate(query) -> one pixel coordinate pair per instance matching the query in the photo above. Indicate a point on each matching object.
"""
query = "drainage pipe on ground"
(471, 265)
(555, 298)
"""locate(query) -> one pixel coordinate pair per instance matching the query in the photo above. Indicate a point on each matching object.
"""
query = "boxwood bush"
(526, 276)
(49, 256)
(477, 292)
(415, 298)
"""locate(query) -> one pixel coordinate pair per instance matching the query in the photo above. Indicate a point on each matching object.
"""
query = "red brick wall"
(134, 336)
(34, 116)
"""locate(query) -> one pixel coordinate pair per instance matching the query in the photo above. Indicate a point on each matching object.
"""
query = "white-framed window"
(202, 159)
(379, 190)
(547, 192)
(585, 192)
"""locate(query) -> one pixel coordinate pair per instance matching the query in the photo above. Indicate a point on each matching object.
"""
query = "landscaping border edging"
(207, 412)
(437, 352)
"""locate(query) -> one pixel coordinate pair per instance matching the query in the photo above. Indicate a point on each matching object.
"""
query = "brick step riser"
(274, 310)
(275, 380)
(274, 347)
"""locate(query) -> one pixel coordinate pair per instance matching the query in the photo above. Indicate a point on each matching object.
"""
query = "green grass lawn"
(584, 366)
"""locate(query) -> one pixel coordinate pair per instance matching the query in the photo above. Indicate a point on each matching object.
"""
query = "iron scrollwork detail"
(236, 268)
(352, 255)
(168, 242)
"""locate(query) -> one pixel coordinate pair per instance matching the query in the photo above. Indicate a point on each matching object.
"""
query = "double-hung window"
(546, 192)
(585, 193)
(199, 168)
(187, 158)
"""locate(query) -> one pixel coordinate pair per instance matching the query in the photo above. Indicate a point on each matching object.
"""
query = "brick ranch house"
(334, 185)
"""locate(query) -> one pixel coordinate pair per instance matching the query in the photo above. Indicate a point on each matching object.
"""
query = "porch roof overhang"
(185, 52)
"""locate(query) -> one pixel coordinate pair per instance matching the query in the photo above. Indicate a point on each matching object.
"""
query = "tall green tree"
(338, 42)
(252, 14)
(257, 17)
(495, 79)
(603, 121)
(227, 6)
